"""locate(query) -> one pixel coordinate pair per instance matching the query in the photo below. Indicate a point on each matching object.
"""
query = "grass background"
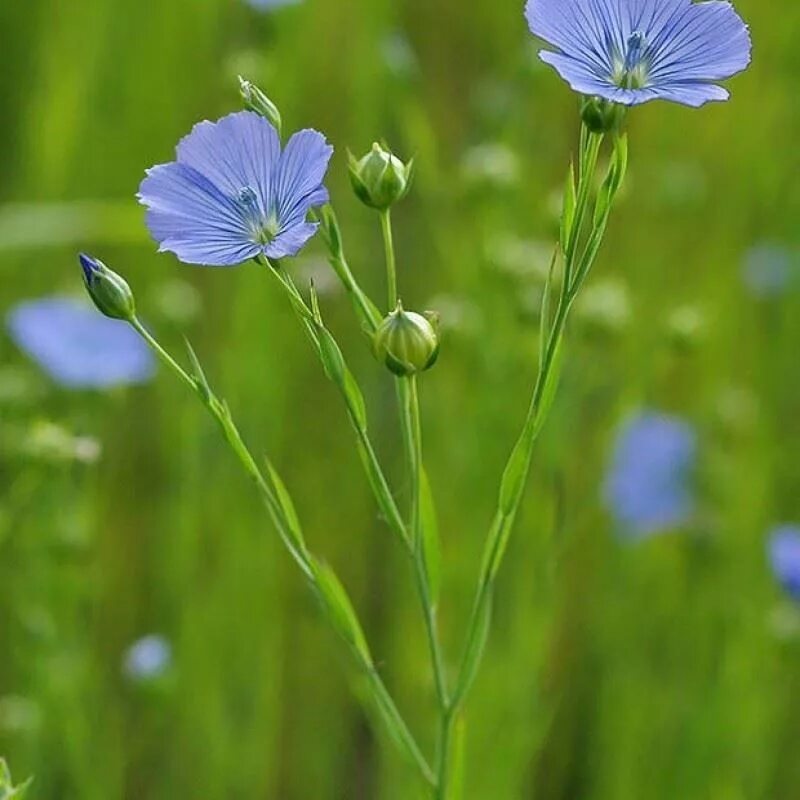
(615, 672)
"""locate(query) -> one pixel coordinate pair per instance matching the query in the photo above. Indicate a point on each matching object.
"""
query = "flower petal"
(78, 347)
(298, 178)
(707, 42)
(291, 240)
(578, 29)
(240, 150)
(691, 93)
(190, 217)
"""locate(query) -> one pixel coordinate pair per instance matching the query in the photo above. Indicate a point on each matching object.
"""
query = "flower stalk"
(321, 579)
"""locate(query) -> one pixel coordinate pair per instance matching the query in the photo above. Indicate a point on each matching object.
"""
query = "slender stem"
(239, 448)
(163, 354)
(504, 519)
(219, 412)
(444, 754)
(377, 479)
(391, 262)
(412, 416)
(411, 427)
(383, 696)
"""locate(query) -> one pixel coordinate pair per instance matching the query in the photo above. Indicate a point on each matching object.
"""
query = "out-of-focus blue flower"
(768, 270)
(784, 556)
(147, 659)
(232, 195)
(77, 347)
(649, 488)
(633, 51)
(269, 5)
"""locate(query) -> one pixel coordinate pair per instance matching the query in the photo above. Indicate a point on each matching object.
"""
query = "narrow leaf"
(287, 507)
(472, 658)
(355, 400)
(197, 373)
(568, 212)
(544, 320)
(315, 310)
(550, 390)
(340, 610)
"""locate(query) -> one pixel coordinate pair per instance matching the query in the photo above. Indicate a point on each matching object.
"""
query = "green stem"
(391, 262)
(234, 439)
(444, 754)
(219, 411)
(409, 742)
(377, 479)
(507, 511)
(412, 417)
(408, 403)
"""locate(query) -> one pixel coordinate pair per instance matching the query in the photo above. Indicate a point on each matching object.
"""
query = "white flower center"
(631, 68)
(263, 227)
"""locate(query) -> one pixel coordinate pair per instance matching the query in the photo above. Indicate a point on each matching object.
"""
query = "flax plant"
(235, 194)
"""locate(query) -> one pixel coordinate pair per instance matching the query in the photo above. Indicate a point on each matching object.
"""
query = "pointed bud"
(255, 100)
(380, 178)
(109, 291)
(602, 116)
(407, 342)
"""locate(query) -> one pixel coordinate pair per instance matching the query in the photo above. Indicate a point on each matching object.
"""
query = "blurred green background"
(665, 669)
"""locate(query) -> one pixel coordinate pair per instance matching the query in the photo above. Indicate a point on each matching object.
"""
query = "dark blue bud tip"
(91, 267)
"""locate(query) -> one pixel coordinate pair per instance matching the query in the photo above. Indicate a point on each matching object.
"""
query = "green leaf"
(355, 400)
(340, 610)
(550, 390)
(331, 355)
(544, 320)
(201, 382)
(430, 537)
(7, 789)
(568, 213)
(287, 507)
(621, 161)
(315, 310)
(516, 473)
(472, 659)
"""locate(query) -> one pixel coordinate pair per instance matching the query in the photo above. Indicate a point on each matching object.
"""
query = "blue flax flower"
(648, 487)
(269, 5)
(784, 556)
(147, 658)
(77, 347)
(769, 270)
(633, 51)
(232, 195)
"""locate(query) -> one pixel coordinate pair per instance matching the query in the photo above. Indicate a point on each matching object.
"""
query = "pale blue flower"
(232, 195)
(784, 557)
(147, 659)
(769, 270)
(269, 5)
(78, 347)
(648, 488)
(633, 51)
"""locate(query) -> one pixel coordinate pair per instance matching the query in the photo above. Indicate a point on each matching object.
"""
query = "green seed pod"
(407, 342)
(380, 179)
(256, 100)
(109, 292)
(602, 116)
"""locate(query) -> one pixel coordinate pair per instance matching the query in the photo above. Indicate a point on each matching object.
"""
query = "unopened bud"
(407, 342)
(602, 116)
(256, 100)
(380, 178)
(109, 292)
